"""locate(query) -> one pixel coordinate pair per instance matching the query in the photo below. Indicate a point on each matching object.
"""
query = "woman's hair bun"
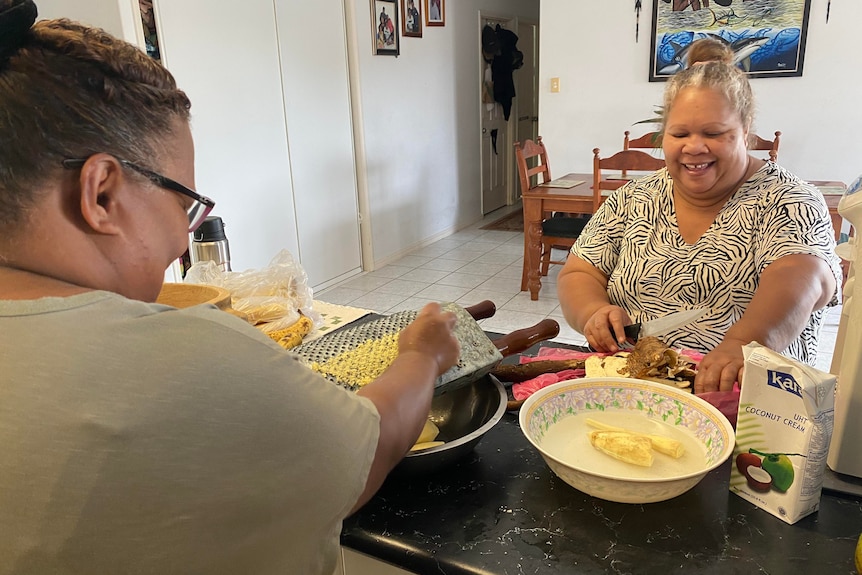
(16, 18)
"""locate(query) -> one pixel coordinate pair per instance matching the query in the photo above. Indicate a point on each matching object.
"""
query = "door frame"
(514, 192)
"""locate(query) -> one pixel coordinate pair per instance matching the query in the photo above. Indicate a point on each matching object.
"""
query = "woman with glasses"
(135, 437)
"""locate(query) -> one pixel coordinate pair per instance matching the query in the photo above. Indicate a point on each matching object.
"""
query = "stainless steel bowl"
(463, 416)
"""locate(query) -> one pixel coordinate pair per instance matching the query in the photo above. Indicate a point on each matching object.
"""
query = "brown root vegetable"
(522, 372)
(651, 359)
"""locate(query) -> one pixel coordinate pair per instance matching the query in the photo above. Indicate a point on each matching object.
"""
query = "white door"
(494, 152)
(316, 90)
(238, 122)
(496, 146)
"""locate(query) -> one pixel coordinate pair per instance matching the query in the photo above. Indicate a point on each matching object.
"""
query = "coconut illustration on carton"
(765, 471)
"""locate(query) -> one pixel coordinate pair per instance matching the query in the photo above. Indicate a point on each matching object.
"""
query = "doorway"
(496, 145)
(499, 173)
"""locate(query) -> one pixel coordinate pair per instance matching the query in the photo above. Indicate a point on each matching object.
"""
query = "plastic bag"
(272, 298)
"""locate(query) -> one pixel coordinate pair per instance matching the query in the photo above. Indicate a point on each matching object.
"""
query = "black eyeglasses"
(198, 211)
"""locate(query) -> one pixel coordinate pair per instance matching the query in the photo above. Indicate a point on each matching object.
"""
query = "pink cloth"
(727, 402)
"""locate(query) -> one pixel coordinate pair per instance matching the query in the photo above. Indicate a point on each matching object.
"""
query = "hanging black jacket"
(507, 61)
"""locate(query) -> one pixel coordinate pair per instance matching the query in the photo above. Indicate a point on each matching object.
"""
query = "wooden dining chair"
(624, 160)
(755, 142)
(558, 230)
(535, 153)
(649, 141)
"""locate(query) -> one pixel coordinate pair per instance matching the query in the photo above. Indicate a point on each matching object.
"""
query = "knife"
(664, 324)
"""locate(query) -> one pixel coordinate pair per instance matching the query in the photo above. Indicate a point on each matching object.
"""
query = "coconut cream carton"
(782, 433)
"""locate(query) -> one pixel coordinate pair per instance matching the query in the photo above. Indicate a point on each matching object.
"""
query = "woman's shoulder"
(778, 184)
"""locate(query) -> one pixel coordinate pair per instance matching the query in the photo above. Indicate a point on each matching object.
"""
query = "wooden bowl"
(181, 295)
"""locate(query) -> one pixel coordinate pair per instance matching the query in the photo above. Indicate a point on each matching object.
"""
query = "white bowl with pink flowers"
(557, 420)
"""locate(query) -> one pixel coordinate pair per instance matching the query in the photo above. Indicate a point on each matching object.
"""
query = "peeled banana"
(660, 443)
(624, 446)
(291, 337)
(429, 432)
(427, 437)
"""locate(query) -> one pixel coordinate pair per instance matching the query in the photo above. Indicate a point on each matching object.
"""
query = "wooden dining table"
(540, 200)
(579, 200)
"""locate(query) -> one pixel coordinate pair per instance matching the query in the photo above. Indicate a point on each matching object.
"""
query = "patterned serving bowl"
(554, 420)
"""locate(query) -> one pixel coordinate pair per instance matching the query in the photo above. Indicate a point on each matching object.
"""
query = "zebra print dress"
(634, 240)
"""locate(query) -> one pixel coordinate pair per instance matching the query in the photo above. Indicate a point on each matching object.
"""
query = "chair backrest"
(526, 151)
(755, 142)
(625, 160)
(648, 140)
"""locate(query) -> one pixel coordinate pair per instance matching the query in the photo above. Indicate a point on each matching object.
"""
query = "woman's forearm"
(789, 291)
(582, 290)
(402, 396)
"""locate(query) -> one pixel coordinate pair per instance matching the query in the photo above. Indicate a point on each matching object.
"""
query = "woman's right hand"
(431, 333)
(402, 394)
(604, 330)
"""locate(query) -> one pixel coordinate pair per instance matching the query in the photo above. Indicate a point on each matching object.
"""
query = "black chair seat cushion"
(564, 227)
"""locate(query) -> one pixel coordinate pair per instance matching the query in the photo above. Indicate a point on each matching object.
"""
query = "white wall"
(590, 46)
(115, 16)
(420, 114)
(421, 117)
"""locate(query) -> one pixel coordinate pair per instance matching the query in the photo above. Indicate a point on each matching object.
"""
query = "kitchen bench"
(501, 510)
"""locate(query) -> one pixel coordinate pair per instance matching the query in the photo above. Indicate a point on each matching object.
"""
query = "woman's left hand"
(720, 368)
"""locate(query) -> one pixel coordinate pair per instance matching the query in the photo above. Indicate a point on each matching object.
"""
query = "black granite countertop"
(501, 510)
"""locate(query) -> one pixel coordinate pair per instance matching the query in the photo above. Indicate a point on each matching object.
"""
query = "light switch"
(555, 84)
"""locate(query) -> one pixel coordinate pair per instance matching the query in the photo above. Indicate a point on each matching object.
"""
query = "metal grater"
(478, 354)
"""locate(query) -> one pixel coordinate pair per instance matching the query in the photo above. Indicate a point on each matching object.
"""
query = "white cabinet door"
(312, 41)
(225, 57)
(271, 118)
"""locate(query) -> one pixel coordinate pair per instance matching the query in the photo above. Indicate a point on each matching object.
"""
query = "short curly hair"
(69, 91)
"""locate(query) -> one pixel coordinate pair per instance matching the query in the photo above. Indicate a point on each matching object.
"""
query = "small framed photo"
(411, 18)
(384, 26)
(435, 12)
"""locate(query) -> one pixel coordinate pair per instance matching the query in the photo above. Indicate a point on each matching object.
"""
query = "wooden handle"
(482, 310)
(514, 404)
(522, 339)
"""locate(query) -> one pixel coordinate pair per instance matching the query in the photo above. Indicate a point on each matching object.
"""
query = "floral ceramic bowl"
(557, 420)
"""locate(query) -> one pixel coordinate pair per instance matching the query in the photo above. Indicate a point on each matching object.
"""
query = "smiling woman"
(716, 229)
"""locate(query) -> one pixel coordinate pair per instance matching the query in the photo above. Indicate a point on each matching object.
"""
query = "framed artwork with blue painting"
(767, 37)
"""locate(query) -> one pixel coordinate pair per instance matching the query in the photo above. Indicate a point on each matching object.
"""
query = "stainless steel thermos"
(210, 244)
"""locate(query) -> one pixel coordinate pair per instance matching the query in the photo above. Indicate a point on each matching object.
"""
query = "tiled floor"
(474, 265)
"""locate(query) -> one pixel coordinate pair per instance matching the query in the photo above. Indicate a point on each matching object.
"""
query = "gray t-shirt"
(136, 438)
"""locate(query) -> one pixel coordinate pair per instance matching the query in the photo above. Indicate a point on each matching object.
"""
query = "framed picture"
(384, 27)
(767, 38)
(435, 12)
(411, 18)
